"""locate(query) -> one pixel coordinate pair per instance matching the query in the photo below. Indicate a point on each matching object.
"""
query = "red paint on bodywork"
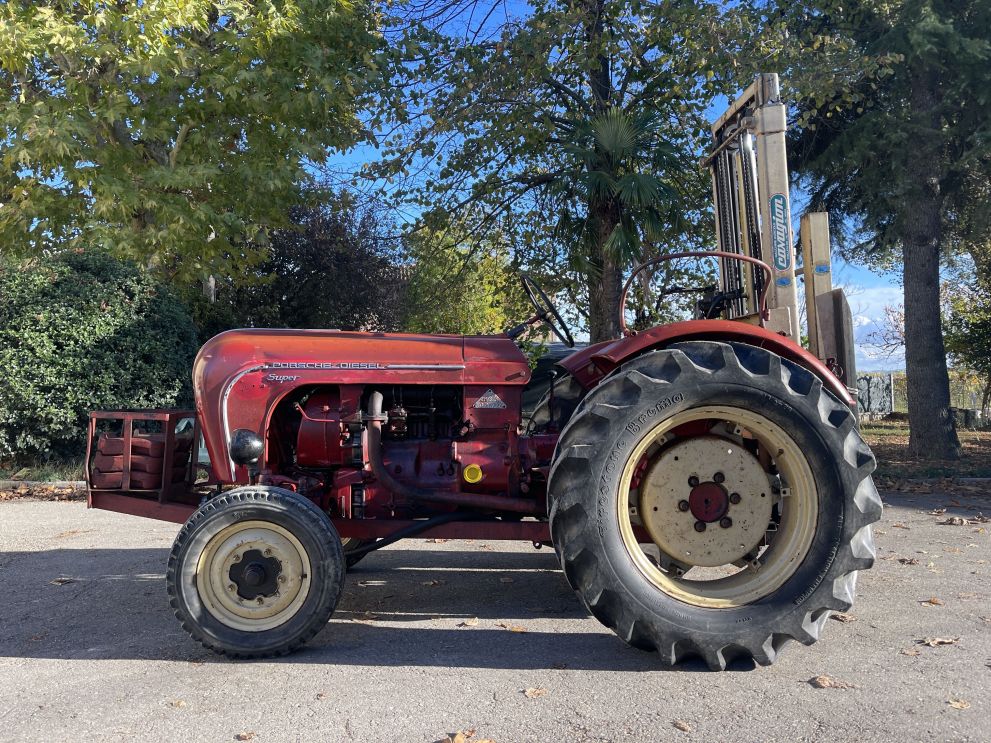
(241, 375)
(590, 364)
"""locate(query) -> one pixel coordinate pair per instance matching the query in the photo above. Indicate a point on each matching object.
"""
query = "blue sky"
(868, 293)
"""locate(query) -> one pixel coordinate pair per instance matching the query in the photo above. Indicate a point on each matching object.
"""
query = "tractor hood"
(239, 376)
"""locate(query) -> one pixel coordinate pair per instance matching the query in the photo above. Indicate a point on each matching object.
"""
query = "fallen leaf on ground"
(828, 682)
(981, 519)
(933, 642)
(473, 622)
(511, 627)
(952, 521)
(559, 666)
(434, 582)
(72, 533)
(959, 703)
(937, 512)
(534, 692)
(842, 616)
(178, 703)
(438, 540)
(244, 736)
(365, 617)
(900, 526)
(932, 601)
(61, 581)
(457, 737)
(682, 725)
(910, 651)
(321, 695)
(908, 561)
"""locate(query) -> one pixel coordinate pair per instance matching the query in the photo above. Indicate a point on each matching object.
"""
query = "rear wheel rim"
(261, 595)
(799, 506)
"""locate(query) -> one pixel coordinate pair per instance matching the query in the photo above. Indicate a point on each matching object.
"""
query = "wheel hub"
(706, 501)
(255, 575)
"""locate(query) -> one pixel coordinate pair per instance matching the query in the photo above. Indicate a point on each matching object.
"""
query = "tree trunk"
(604, 286)
(932, 433)
(605, 280)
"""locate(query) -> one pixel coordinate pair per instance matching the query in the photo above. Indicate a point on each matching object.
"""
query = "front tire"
(255, 572)
(655, 456)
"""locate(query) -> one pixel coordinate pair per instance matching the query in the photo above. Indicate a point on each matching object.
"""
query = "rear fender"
(593, 363)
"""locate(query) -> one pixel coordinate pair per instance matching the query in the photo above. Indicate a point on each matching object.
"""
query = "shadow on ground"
(400, 608)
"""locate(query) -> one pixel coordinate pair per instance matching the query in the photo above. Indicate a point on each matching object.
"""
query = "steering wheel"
(545, 312)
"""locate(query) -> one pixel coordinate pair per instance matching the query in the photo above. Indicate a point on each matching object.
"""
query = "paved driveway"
(89, 649)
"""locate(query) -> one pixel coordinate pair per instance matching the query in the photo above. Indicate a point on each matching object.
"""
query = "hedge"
(82, 331)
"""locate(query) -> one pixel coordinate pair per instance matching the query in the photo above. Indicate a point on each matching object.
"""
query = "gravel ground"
(89, 649)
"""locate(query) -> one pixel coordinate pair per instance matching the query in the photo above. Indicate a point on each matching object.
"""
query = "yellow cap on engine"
(472, 473)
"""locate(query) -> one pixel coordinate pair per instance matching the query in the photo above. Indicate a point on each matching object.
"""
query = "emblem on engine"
(489, 400)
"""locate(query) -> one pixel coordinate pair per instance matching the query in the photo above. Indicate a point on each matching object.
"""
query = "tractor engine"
(367, 425)
(433, 437)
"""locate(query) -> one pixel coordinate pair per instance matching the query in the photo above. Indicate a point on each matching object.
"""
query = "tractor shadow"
(401, 607)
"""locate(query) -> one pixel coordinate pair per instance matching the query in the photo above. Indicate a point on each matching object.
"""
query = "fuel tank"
(240, 376)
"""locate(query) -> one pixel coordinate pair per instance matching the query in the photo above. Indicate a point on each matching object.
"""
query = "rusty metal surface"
(141, 462)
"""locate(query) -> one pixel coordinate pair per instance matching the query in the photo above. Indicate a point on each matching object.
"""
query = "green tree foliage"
(967, 323)
(80, 332)
(574, 130)
(329, 268)
(454, 289)
(894, 113)
(172, 132)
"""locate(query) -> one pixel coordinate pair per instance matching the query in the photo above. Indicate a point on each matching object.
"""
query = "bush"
(78, 332)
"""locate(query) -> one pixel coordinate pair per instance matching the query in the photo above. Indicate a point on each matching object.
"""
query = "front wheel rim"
(266, 592)
(799, 507)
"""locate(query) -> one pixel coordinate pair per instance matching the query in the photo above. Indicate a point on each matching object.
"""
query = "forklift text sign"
(780, 249)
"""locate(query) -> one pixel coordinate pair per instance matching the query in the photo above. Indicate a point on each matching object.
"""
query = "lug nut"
(282, 579)
(726, 522)
(719, 477)
(231, 587)
(268, 551)
(734, 498)
(700, 526)
(260, 600)
(693, 481)
(683, 505)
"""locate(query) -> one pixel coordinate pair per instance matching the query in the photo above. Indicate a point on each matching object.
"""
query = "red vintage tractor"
(703, 483)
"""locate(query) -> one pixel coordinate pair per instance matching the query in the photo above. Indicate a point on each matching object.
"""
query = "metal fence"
(882, 393)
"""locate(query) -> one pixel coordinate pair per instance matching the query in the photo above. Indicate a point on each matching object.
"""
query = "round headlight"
(245, 446)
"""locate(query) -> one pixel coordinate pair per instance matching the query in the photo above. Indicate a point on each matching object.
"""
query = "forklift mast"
(750, 189)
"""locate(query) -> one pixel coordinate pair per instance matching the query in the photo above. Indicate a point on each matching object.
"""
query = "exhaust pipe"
(374, 420)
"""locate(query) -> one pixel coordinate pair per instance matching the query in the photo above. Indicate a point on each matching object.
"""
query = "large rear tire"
(713, 500)
(255, 572)
(555, 410)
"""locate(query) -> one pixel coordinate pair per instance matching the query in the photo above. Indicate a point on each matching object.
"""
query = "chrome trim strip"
(223, 402)
(438, 367)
